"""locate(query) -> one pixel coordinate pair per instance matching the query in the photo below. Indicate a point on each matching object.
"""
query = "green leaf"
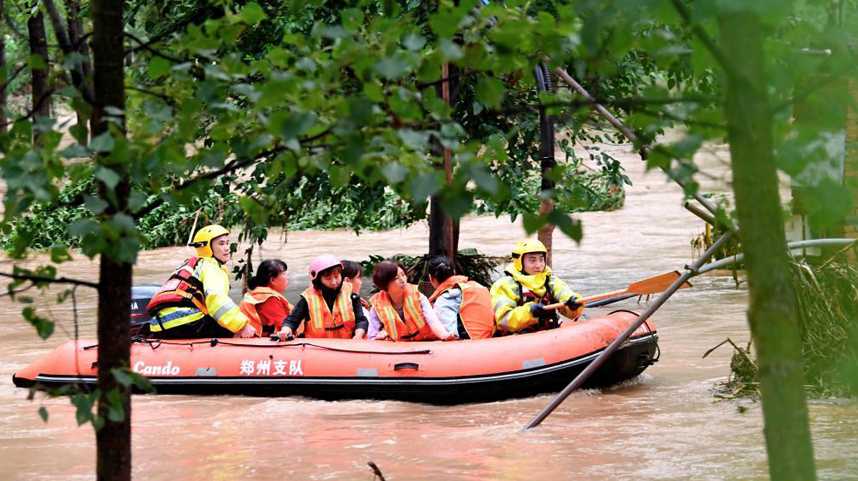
(102, 143)
(60, 254)
(95, 204)
(394, 172)
(107, 176)
(159, 67)
(490, 92)
(392, 68)
(533, 222)
(44, 327)
(569, 226)
(252, 13)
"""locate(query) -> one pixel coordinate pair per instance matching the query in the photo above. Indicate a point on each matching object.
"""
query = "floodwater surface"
(664, 425)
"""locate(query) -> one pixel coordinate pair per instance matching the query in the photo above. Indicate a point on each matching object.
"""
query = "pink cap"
(321, 263)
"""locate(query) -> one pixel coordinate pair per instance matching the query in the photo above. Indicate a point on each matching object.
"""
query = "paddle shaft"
(690, 271)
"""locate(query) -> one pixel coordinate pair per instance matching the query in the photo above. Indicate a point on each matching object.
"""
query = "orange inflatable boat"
(432, 372)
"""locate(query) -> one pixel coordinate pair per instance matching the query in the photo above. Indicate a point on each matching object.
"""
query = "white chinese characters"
(267, 367)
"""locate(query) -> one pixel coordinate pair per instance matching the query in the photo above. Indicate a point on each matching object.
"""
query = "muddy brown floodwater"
(663, 425)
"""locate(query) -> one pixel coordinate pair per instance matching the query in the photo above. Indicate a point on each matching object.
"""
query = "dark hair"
(384, 272)
(267, 270)
(440, 268)
(351, 269)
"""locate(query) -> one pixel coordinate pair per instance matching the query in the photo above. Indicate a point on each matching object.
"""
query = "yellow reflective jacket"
(513, 294)
(215, 280)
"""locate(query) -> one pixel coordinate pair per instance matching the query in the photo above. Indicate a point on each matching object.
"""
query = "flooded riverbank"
(663, 425)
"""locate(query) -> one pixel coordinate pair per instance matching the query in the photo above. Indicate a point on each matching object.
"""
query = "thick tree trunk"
(113, 441)
(443, 230)
(772, 313)
(41, 95)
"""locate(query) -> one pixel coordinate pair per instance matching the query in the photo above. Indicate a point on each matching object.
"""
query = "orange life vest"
(182, 289)
(255, 297)
(339, 324)
(414, 327)
(476, 311)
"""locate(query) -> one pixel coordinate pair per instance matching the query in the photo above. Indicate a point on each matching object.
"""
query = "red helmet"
(322, 263)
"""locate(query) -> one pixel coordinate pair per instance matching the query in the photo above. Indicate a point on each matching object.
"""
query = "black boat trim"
(397, 381)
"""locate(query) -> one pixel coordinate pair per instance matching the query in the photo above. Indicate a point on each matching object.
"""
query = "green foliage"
(828, 310)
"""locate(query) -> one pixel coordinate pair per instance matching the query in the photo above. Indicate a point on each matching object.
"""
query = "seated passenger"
(327, 307)
(519, 298)
(194, 302)
(399, 311)
(463, 306)
(352, 272)
(264, 304)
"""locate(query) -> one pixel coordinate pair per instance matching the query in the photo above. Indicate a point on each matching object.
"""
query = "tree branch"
(704, 37)
(154, 51)
(166, 98)
(49, 280)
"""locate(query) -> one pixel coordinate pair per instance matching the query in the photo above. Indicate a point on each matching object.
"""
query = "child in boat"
(519, 298)
(352, 272)
(264, 304)
(327, 308)
(463, 306)
(399, 311)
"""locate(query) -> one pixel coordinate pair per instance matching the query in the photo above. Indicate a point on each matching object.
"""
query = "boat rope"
(156, 343)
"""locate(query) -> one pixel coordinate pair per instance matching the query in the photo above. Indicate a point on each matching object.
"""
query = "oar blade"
(656, 284)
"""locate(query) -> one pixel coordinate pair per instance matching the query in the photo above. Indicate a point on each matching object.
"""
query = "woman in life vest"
(463, 306)
(264, 304)
(352, 272)
(399, 311)
(195, 302)
(519, 298)
(327, 308)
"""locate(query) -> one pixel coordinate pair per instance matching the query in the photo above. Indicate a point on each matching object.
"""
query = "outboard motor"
(140, 296)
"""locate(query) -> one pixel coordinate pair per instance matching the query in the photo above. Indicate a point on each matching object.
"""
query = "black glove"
(540, 312)
(573, 304)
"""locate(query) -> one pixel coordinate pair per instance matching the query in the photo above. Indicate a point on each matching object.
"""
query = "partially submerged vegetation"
(828, 313)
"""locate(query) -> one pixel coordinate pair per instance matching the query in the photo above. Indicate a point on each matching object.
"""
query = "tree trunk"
(41, 95)
(546, 158)
(4, 72)
(772, 313)
(113, 441)
(443, 230)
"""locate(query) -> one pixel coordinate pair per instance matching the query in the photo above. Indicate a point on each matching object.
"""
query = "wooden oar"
(650, 285)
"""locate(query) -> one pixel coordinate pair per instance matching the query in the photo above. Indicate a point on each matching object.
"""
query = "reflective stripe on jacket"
(475, 311)
(513, 294)
(414, 327)
(256, 297)
(338, 324)
(213, 278)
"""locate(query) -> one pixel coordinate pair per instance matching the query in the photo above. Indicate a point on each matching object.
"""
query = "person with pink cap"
(328, 307)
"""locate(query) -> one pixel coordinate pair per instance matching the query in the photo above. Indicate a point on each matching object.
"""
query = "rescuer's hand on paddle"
(539, 311)
(285, 333)
(573, 303)
(248, 331)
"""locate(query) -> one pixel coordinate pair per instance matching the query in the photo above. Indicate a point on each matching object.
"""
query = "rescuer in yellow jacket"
(195, 302)
(519, 298)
